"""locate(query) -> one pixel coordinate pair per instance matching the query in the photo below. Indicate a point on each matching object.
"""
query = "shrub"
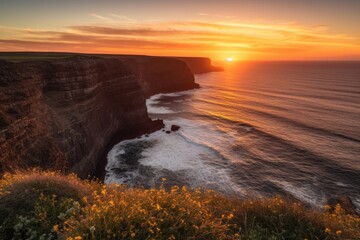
(279, 218)
(119, 212)
(30, 202)
(126, 213)
(47, 205)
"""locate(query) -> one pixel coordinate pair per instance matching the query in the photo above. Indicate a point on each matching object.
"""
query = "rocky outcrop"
(62, 114)
(199, 65)
(174, 128)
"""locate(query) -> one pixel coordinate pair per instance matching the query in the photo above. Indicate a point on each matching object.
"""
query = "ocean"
(255, 129)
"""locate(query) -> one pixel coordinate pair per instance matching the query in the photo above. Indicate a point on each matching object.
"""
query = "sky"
(241, 29)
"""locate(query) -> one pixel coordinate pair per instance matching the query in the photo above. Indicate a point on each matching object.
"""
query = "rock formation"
(160, 74)
(199, 65)
(174, 128)
(64, 113)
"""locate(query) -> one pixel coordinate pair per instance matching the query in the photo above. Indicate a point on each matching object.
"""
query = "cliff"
(62, 114)
(160, 74)
(199, 65)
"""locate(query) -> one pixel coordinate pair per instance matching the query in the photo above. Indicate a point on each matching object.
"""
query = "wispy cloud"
(123, 18)
(116, 18)
(100, 17)
(121, 34)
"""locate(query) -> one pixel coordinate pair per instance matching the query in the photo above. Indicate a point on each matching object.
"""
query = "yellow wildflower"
(338, 232)
(327, 230)
(103, 192)
(56, 228)
(78, 238)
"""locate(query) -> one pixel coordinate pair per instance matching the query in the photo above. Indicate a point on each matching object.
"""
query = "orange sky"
(274, 30)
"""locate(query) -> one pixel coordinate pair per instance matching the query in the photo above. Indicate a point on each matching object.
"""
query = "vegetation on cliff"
(48, 205)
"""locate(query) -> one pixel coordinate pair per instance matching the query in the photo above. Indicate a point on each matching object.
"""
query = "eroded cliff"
(161, 74)
(64, 113)
(61, 114)
(199, 65)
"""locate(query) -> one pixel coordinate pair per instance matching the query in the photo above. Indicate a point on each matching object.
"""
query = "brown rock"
(174, 128)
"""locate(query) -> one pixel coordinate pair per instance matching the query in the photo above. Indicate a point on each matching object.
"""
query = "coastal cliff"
(64, 112)
(160, 74)
(199, 65)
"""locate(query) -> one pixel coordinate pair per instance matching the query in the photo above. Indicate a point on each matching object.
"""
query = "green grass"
(46, 205)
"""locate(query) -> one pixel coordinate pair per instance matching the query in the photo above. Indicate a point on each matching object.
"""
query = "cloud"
(100, 17)
(202, 38)
(123, 18)
(114, 18)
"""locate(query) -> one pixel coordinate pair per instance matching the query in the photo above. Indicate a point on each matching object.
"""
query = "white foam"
(158, 110)
(176, 94)
(207, 134)
(112, 162)
(173, 152)
(153, 108)
(153, 102)
(341, 184)
(187, 152)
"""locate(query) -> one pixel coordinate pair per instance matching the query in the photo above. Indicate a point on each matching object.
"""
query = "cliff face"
(62, 114)
(161, 74)
(199, 65)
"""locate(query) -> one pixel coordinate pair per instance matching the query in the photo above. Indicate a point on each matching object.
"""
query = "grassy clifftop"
(48, 205)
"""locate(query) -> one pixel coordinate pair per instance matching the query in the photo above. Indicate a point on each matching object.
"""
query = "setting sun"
(229, 59)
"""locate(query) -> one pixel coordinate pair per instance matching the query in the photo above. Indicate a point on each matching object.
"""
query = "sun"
(229, 59)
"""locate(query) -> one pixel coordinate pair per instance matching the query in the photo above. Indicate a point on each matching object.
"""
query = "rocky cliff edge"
(63, 112)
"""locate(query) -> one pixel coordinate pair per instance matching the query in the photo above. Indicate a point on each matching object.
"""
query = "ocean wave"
(172, 156)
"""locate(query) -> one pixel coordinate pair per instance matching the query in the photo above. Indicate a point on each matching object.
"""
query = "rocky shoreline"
(66, 113)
